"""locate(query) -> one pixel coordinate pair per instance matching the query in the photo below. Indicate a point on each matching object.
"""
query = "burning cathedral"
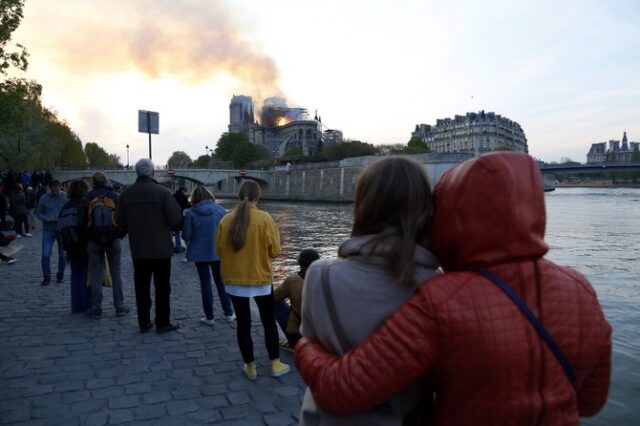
(280, 127)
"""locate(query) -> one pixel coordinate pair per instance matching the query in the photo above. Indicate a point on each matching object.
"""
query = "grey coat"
(148, 213)
(364, 295)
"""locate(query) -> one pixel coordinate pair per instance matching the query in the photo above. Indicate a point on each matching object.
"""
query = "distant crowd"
(440, 308)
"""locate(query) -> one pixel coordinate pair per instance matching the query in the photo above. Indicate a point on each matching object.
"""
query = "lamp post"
(210, 156)
(127, 156)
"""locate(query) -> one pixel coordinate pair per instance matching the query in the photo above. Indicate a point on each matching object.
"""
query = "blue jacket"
(199, 230)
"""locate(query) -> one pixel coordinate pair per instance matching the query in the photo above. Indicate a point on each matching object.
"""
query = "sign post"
(148, 122)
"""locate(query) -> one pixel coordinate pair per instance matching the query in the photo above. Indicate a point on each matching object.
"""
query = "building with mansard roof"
(474, 133)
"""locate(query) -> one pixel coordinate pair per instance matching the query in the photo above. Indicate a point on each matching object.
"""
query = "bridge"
(322, 181)
(207, 177)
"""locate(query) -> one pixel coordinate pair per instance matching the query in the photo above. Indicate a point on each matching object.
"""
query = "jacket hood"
(489, 210)
(204, 208)
(360, 246)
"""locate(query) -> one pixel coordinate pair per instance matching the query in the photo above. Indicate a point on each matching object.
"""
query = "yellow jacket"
(251, 265)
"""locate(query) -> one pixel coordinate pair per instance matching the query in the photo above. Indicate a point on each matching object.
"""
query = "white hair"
(144, 167)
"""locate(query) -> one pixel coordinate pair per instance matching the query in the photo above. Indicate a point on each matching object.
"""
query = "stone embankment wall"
(329, 181)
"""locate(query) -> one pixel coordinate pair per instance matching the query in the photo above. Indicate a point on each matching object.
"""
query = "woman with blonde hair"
(387, 257)
(199, 231)
(247, 240)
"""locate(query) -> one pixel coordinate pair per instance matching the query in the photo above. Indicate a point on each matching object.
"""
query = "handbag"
(542, 331)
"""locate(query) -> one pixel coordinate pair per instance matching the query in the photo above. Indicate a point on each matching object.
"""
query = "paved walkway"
(58, 368)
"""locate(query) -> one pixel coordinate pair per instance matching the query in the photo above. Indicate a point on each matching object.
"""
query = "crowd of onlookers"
(440, 308)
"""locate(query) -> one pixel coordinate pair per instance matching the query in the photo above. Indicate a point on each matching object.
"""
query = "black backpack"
(68, 233)
(102, 225)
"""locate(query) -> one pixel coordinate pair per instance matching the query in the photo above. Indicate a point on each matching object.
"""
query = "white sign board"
(148, 122)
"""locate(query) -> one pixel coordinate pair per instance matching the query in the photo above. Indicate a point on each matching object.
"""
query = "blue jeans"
(49, 236)
(282, 310)
(207, 293)
(96, 261)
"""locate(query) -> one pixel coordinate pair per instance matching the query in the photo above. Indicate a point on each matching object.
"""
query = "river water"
(596, 231)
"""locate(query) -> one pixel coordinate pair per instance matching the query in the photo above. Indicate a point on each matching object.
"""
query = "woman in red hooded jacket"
(462, 335)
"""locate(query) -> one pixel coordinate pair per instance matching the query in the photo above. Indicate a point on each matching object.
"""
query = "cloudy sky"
(567, 70)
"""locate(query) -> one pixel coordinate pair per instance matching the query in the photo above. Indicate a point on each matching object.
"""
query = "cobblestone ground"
(58, 368)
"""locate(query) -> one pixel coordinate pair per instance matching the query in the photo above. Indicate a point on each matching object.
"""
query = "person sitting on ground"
(346, 299)
(465, 333)
(199, 231)
(288, 315)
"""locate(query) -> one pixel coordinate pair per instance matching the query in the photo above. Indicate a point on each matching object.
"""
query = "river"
(596, 231)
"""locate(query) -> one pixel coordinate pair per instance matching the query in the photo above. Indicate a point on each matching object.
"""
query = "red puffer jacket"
(462, 335)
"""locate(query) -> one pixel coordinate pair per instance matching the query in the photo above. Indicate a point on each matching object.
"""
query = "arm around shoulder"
(362, 378)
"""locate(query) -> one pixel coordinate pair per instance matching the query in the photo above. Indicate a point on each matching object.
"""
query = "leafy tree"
(97, 156)
(635, 156)
(10, 18)
(244, 153)
(179, 159)
(202, 162)
(417, 146)
(347, 149)
(293, 154)
(227, 143)
(502, 148)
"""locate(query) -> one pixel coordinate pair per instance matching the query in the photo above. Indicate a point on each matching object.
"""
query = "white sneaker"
(185, 260)
(28, 235)
(230, 318)
(209, 322)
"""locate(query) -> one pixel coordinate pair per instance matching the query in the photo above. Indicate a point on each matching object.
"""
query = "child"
(288, 316)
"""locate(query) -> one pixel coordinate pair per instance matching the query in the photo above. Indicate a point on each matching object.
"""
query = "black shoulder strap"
(542, 331)
(331, 310)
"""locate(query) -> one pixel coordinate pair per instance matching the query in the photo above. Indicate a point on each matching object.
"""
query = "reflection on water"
(597, 231)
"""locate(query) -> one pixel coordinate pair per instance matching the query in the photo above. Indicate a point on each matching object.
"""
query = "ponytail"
(249, 191)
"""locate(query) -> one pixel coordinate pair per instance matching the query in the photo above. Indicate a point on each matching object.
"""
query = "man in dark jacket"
(102, 238)
(183, 201)
(148, 213)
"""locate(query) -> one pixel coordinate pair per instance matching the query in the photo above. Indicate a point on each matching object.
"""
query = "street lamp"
(127, 156)
(210, 156)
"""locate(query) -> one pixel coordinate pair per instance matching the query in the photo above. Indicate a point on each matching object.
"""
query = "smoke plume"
(192, 40)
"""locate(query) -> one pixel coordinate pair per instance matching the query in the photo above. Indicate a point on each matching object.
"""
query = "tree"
(293, 154)
(347, 149)
(179, 159)
(502, 148)
(10, 18)
(244, 153)
(98, 157)
(227, 144)
(417, 146)
(202, 162)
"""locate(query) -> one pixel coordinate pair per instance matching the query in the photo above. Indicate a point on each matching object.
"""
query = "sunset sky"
(568, 71)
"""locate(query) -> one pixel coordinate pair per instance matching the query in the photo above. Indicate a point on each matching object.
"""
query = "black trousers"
(243, 332)
(160, 270)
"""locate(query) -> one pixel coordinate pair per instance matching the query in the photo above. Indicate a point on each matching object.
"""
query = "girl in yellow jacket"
(247, 240)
